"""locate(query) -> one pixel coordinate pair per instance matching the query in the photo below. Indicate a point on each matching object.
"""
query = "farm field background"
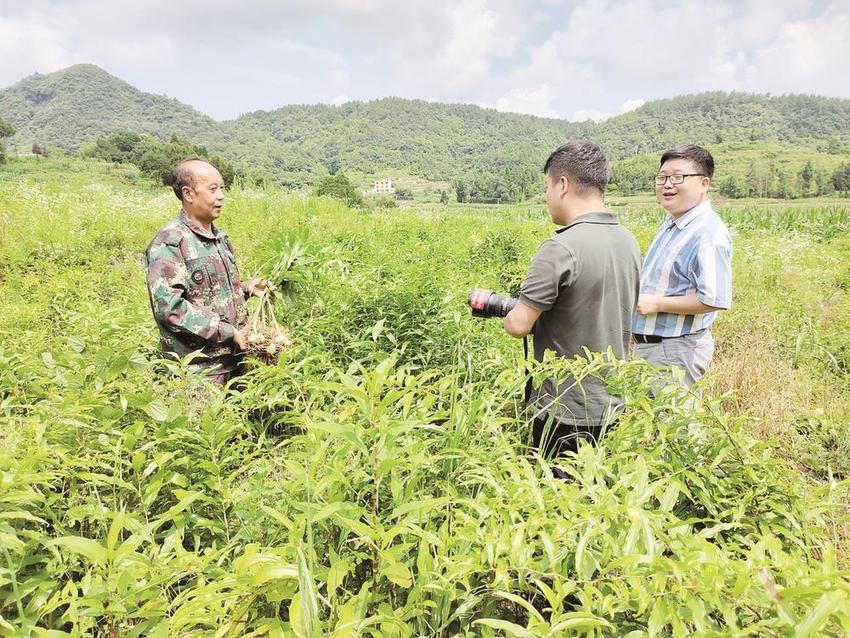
(377, 480)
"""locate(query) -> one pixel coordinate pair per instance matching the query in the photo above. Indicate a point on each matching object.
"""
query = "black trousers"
(554, 439)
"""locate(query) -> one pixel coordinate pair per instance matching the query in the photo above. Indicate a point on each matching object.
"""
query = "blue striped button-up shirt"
(691, 254)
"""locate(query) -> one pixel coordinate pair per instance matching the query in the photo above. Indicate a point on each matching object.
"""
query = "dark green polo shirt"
(585, 279)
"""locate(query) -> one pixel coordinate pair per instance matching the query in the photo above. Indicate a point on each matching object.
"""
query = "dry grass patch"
(759, 383)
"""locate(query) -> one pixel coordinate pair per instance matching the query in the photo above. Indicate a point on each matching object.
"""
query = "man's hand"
(648, 304)
(239, 341)
(259, 287)
(681, 305)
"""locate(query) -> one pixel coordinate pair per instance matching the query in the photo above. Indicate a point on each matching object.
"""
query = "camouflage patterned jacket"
(195, 292)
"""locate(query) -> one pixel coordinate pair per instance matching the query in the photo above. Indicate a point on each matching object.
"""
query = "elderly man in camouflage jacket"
(197, 298)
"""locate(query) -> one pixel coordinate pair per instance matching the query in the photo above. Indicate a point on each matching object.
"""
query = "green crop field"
(377, 480)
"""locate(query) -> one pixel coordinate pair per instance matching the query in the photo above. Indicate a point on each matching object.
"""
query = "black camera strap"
(528, 380)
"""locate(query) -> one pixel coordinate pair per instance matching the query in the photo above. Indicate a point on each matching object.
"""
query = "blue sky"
(574, 60)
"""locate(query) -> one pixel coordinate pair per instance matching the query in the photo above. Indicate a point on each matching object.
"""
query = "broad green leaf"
(279, 517)
(579, 621)
(262, 568)
(296, 617)
(339, 569)
(417, 506)
(347, 622)
(657, 618)
(504, 625)
(114, 531)
(86, 547)
(12, 542)
(308, 599)
(397, 573)
(377, 328)
(156, 410)
(668, 500)
(819, 616)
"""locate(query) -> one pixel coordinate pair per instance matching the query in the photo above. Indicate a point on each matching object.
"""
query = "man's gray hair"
(583, 163)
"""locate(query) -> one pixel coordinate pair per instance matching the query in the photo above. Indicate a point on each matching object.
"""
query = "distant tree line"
(758, 178)
(503, 181)
(764, 179)
(497, 179)
(153, 157)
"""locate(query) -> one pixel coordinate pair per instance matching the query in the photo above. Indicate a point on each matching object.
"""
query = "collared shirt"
(585, 280)
(689, 255)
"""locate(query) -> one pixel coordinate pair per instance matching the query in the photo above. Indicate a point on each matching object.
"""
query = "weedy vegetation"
(376, 480)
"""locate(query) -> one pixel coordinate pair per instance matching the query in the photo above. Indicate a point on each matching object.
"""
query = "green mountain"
(434, 140)
(74, 106)
(717, 117)
(294, 144)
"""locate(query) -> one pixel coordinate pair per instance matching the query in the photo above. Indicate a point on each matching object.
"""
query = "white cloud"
(642, 42)
(582, 115)
(28, 45)
(631, 105)
(588, 58)
(608, 49)
(531, 100)
(545, 86)
(339, 100)
(154, 52)
(807, 56)
(474, 42)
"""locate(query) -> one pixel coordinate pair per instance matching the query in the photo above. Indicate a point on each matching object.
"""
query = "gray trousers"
(691, 353)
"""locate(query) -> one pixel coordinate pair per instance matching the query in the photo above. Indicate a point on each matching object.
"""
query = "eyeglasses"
(678, 178)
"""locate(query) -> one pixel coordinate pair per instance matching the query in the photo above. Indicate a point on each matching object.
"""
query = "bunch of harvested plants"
(264, 337)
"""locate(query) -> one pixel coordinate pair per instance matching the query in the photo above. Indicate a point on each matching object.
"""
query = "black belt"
(647, 338)
(658, 339)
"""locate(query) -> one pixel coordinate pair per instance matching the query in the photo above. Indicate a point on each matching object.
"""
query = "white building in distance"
(383, 187)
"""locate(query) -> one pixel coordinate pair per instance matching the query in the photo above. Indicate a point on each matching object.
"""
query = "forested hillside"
(714, 118)
(779, 146)
(69, 108)
(429, 139)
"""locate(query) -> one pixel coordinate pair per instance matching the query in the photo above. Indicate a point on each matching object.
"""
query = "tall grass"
(377, 481)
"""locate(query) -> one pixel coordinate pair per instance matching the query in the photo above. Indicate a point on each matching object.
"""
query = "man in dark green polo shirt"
(580, 292)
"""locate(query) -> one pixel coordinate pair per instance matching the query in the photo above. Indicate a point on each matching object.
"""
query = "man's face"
(678, 199)
(203, 201)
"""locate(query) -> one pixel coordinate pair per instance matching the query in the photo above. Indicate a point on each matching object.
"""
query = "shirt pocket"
(230, 264)
(200, 282)
(219, 272)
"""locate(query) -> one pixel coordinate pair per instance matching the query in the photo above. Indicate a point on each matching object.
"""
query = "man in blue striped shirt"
(686, 277)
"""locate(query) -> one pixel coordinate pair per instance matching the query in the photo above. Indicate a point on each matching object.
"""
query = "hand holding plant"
(264, 337)
(239, 341)
(260, 287)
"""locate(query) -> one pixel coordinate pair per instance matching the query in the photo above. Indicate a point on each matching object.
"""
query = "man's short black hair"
(583, 163)
(183, 175)
(697, 154)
